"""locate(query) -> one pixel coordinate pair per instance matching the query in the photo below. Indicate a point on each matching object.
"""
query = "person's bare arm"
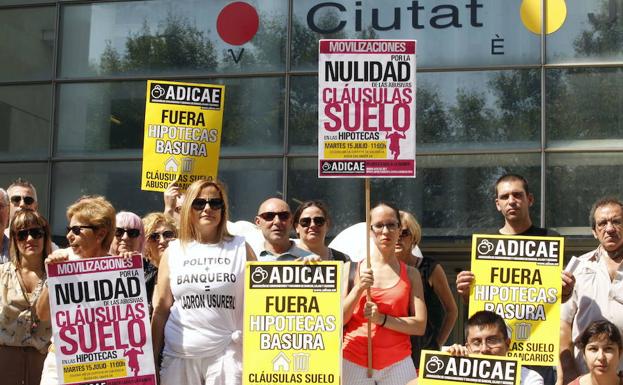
(250, 254)
(361, 284)
(412, 325)
(163, 300)
(439, 282)
(567, 359)
(568, 283)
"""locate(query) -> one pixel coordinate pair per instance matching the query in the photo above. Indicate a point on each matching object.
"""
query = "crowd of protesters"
(410, 304)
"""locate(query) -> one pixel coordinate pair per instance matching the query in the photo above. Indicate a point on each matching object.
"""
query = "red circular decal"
(237, 23)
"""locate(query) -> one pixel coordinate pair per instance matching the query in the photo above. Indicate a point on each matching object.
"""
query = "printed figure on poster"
(366, 108)
(445, 369)
(182, 136)
(518, 277)
(292, 323)
(100, 321)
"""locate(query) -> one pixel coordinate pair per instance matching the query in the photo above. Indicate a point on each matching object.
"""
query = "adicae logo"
(530, 11)
(237, 23)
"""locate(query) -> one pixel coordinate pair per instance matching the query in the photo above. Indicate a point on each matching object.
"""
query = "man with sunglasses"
(275, 221)
(4, 224)
(486, 333)
(22, 195)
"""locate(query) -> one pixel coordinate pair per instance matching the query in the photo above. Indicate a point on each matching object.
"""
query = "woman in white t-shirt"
(198, 305)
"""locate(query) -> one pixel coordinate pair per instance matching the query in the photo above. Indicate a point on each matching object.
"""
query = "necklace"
(34, 320)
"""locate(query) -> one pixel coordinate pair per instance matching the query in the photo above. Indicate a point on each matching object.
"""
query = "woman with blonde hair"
(440, 304)
(24, 339)
(201, 331)
(90, 232)
(160, 229)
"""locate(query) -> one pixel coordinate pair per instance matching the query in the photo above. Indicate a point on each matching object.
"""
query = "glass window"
(576, 181)
(449, 33)
(344, 196)
(35, 173)
(25, 114)
(584, 107)
(27, 43)
(108, 118)
(453, 195)
(592, 32)
(172, 37)
(119, 181)
(456, 111)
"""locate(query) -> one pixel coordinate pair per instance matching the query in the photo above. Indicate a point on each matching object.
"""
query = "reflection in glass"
(120, 181)
(345, 196)
(464, 33)
(108, 118)
(27, 43)
(576, 181)
(584, 107)
(169, 37)
(25, 113)
(453, 195)
(592, 32)
(456, 111)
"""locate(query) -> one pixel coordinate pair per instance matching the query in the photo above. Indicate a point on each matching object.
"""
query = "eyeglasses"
(132, 233)
(378, 227)
(167, 235)
(318, 221)
(35, 233)
(492, 342)
(214, 203)
(76, 229)
(270, 215)
(15, 199)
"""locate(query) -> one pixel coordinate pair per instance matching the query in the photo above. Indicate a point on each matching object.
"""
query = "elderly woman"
(129, 234)
(440, 304)
(396, 309)
(160, 229)
(311, 222)
(201, 344)
(24, 339)
(90, 232)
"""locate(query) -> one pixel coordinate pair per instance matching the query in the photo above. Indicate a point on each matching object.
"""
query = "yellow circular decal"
(531, 15)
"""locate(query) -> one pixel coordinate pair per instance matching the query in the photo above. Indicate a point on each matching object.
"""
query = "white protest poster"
(366, 108)
(100, 321)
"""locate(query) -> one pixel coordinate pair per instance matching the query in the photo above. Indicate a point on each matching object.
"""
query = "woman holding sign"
(198, 306)
(90, 232)
(396, 308)
(24, 339)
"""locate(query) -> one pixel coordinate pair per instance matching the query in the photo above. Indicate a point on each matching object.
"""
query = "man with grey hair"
(4, 223)
(598, 292)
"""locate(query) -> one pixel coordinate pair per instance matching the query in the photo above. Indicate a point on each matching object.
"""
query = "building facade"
(496, 92)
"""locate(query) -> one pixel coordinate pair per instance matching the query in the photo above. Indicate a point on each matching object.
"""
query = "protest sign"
(442, 368)
(292, 323)
(518, 277)
(100, 321)
(182, 136)
(366, 108)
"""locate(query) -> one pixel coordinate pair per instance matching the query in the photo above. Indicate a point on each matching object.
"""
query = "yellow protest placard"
(518, 277)
(182, 136)
(437, 368)
(292, 323)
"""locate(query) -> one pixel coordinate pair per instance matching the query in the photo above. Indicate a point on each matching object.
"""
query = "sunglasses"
(167, 235)
(132, 233)
(214, 203)
(76, 229)
(318, 221)
(27, 200)
(270, 215)
(35, 233)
